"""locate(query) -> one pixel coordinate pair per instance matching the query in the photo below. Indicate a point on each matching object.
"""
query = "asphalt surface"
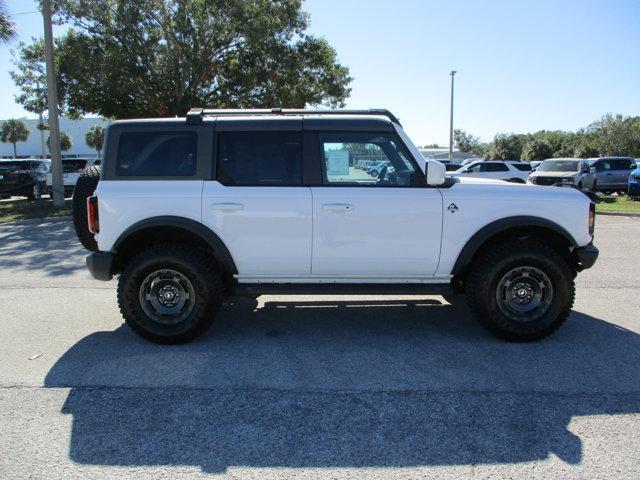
(312, 387)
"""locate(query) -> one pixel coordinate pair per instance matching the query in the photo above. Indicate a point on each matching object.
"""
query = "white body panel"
(123, 203)
(481, 202)
(509, 174)
(267, 230)
(376, 230)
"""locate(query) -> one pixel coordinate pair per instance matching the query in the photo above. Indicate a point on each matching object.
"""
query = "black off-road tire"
(198, 268)
(85, 186)
(486, 272)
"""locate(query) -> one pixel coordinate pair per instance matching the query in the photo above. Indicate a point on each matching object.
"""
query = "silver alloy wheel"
(167, 296)
(524, 294)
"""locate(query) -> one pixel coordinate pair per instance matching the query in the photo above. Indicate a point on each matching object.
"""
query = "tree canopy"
(65, 141)
(125, 59)
(467, 142)
(7, 27)
(538, 149)
(611, 135)
(14, 131)
(95, 137)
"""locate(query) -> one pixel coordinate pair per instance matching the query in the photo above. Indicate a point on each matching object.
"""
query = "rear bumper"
(586, 256)
(100, 265)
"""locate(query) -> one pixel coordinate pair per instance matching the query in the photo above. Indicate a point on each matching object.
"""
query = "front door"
(368, 227)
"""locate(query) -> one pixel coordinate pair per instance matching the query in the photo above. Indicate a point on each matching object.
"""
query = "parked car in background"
(72, 168)
(534, 165)
(633, 184)
(515, 172)
(611, 174)
(20, 177)
(570, 172)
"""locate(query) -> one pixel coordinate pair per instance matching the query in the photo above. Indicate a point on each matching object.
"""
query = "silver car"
(567, 172)
(611, 174)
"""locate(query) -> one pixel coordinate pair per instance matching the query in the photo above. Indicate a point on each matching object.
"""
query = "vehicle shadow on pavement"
(345, 383)
(49, 248)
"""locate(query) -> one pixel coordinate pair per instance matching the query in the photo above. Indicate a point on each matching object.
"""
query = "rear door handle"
(337, 207)
(227, 207)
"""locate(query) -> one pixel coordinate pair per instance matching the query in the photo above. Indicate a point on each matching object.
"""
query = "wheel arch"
(173, 229)
(518, 226)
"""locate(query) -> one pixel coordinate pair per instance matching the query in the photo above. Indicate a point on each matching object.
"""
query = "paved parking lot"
(312, 387)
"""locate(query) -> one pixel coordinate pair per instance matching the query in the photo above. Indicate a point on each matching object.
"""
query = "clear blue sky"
(522, 65)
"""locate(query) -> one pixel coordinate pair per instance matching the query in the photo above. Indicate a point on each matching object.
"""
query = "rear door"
(494, 170)
(257, 202)
(367, 228)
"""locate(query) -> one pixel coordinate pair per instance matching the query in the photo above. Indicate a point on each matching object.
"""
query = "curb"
(618, 214)
(34, 221)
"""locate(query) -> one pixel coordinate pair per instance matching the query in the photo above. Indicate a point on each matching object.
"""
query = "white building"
(33, 147)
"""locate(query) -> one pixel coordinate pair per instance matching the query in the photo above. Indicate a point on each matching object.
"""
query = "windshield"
(558, 166)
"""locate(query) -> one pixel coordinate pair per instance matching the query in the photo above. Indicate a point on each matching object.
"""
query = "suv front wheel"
(521, 290)
(170, 293)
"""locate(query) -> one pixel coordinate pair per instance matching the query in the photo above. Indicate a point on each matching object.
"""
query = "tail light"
(92, 214)
(592, 218)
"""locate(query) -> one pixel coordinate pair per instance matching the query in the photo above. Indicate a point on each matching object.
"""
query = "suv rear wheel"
(521, 290)
(170, 293)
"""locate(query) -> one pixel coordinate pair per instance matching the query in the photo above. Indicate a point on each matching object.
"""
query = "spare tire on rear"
(85, 186)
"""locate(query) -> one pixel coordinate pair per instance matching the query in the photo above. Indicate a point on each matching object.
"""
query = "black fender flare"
(220, 251)
(485, 233)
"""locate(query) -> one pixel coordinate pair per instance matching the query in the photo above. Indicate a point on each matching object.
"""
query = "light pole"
(52, 105)
(453, 72)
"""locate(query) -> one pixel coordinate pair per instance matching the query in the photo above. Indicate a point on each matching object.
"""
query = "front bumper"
(586, 256)
(100, 265)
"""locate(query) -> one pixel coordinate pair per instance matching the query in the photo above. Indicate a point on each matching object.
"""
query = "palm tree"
(14, 131)
(65, 142)
(95, 137)
(7, 27)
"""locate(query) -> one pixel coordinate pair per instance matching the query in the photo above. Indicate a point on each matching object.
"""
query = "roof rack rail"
(195, 115)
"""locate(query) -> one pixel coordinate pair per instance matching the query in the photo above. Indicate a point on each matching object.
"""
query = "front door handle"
(337, 207)
(227, 207)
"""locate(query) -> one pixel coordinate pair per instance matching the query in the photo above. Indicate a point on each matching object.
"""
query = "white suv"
(515, 172)
(188, 211)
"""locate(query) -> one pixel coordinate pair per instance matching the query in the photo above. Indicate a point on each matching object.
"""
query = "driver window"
(366, 160)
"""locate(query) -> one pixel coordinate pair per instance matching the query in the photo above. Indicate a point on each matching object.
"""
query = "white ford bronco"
(249, 202)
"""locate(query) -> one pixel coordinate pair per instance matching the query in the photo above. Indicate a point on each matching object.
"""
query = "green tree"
(467, 142)
(506, 146)
(65, 141)
(616, 135)
(7, 27)
(537, 150)
(14, 131)
(161, 57)
(95, 138)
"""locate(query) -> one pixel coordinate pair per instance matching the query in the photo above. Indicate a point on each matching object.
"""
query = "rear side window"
(157, 154)
(70, 166)
(523, 167)
(622, 164)
(260, 158)
(494, 167)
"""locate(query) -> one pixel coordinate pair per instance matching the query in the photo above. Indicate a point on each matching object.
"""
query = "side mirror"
(586, 169)
(436, 173)
(592, 170)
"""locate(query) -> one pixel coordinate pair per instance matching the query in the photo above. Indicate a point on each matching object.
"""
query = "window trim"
(395, 137)
(216, 156)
